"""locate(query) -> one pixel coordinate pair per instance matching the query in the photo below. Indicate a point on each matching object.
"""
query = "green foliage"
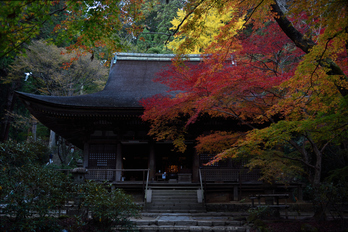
(338, 175)
(47, 29)
(329, 198)
(82, 25)
(13, 154)
(256, 216)
(28, 189)
(50, 76)
(157, 27)
(32, 191)
(276, 166)
(31, 194)
(109, 207)
(305, 227)
(261, 212)
(23, 20)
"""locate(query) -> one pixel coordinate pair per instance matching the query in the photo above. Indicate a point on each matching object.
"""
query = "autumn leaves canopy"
(279, 67)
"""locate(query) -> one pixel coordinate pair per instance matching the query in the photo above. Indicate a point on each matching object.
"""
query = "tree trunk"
(320, 207)
(34, 127)
(318, 160)
(52, 141)
(8, 108)
(62, 150)
(306, 44)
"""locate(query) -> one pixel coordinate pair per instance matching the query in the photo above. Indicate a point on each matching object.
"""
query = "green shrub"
(109, 207)
(256, 215)
(31, 194)
(330, 198)
(30, 191)
(261, 212)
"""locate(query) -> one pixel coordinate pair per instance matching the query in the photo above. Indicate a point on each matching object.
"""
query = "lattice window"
(99, 174)
(230, 175)
(102, 156)
(220, 174)
(251, 175)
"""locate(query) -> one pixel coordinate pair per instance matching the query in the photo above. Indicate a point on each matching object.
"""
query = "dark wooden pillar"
(195, 167)
(118, 162)
(152, 161)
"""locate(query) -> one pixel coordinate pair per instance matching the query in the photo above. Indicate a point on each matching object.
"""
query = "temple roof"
(130, 80)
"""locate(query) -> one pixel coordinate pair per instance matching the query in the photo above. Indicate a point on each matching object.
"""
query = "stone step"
(175, 211)
(154, 228)
(189, 200)
(174, 204)
(182, 200)
(186, 201)
(187, 222)
(176, 190)
(176, 195)
(174, 198)
(176, 208)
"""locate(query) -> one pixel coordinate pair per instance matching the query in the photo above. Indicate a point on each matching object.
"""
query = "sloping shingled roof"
(130, 80)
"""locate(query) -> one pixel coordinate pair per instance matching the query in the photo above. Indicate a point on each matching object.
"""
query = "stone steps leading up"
(174, 200)
(199, 222)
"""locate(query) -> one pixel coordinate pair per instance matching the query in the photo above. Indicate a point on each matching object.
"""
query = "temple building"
(107, 126)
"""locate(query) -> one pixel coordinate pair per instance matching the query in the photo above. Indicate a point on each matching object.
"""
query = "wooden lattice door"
(101, 156)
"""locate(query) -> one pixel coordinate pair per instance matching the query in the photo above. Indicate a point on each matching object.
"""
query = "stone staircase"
(174, 201)
(188, 222)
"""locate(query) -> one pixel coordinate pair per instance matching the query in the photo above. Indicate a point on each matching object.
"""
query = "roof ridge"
(154, 57)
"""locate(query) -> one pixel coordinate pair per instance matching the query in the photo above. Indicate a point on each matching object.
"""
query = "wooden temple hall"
(107, 126)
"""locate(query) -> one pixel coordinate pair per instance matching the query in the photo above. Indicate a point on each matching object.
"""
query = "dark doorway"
(169, 161)
(134, 156)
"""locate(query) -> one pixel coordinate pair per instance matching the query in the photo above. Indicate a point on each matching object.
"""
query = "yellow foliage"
(201, 37)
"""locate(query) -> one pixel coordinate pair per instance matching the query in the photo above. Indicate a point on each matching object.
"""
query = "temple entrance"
(134, 156)
(173, 162)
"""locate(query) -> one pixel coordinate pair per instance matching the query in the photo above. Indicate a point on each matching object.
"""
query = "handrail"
(230, 174)
(114, 170)
(200, 179)
(100, 169)
(147, 185)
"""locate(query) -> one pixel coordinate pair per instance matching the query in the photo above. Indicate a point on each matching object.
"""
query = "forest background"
(277, 67)
(63, 48)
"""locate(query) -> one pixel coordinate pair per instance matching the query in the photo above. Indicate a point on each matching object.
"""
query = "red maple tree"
(254, 78)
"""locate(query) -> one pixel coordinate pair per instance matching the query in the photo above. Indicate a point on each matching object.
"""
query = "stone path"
(198, 222)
